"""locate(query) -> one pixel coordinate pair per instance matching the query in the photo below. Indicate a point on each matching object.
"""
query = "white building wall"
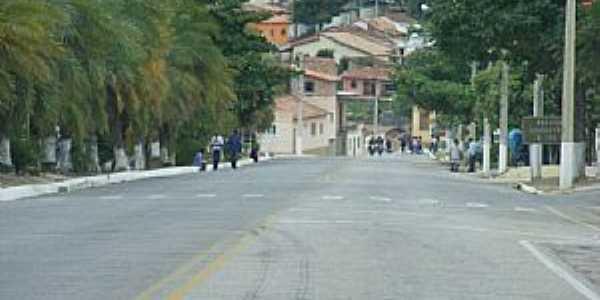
(282, 141)
(339, 51)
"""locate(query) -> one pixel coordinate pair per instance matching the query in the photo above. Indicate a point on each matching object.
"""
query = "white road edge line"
(332, 197)
(576, 284)
(571, 219)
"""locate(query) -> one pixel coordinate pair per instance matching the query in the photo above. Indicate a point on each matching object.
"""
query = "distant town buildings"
(349, 60)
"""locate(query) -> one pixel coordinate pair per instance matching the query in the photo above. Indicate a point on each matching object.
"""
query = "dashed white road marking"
(525, 209)
(206, 195)
(571, 219)
(566, 276)
(476, 205)
(253, 195)
(112, 197)
(332, 197)
(428, 201)
(382, 199)
(157, 196)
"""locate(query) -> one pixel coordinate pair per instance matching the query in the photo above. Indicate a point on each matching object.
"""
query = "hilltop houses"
(349, 61)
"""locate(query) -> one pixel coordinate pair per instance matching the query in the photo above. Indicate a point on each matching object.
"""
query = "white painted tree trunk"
(65, 164)
(49, 150)
(139, 157)
(5, 158)
(155, 150)
(172, 158)
(121, 161)
(94, 158)
(487, 145)
(164, 154)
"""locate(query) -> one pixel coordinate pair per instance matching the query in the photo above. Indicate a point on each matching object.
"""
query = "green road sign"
(541, 130)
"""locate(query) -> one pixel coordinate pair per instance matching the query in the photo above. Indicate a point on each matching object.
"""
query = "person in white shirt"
(216, 145)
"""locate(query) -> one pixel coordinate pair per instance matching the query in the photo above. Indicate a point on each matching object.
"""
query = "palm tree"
(27, 53)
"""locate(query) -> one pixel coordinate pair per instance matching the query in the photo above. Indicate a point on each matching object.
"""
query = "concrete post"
(300, 109)
(300, 117)
(376, 117)
(503, 157)
(535, 150)
(487, 145)
(567, 153)
(460, 137)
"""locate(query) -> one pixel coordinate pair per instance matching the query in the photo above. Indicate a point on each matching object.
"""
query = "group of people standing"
(378, 145)
(474, 154)
(231, 147)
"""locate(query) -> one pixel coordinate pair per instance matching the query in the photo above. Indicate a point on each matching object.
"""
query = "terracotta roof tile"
(359, 43)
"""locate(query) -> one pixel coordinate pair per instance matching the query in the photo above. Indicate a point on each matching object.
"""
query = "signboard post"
(598, 151)
(541, 130)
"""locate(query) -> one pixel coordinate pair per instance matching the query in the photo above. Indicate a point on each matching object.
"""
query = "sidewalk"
(519, 178)
(35, 190)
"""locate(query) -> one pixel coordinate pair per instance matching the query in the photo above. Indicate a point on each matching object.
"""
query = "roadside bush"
(24, 156)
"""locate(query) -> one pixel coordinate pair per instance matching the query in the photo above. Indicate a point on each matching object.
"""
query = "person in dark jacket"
(234, 148)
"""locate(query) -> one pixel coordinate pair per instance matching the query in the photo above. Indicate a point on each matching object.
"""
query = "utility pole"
(567, 153)
(535, 150)
(300, 109)
(376, 8)
(376, 116)
(503, 156)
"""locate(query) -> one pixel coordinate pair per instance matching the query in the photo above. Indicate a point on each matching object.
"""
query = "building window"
(283, 32)
(321, 128)
(309, 87)
(313, 129)
(330, 118)
(353, 84)
(423, 120)
(369, 88)
(272, 32)
(271, 130)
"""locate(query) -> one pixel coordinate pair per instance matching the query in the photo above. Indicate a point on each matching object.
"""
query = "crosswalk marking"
(332, 197)
(157, 196)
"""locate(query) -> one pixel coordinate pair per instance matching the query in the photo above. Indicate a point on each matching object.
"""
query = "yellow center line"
(214, 266)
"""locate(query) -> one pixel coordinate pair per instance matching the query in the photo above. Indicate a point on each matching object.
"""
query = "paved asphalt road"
(380, 228)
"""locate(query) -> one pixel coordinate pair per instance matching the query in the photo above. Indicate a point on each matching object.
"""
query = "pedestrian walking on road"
(234, 148)
(402, 144)
(455, 155)
(199, 160)
(472, 152)
(216, 145)
(254, 153)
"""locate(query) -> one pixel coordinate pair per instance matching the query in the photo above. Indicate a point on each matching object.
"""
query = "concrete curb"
(35, 190)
